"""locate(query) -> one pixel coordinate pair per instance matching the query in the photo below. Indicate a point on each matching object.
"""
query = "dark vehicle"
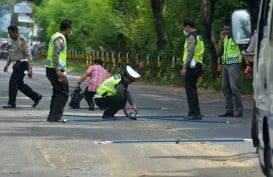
(262, 117)
(4, 50)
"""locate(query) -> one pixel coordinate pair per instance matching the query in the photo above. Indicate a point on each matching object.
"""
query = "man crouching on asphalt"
(113, 94)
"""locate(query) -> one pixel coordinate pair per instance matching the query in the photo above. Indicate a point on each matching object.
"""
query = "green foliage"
(128, 26)
(97, 23)
(246, 86)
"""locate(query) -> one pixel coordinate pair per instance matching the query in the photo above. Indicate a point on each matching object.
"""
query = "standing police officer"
(192, 66)
(55, 67)
(231, 61)
(113, 93)
(21, 55)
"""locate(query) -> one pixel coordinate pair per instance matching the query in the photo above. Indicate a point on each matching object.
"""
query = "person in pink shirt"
(97, 74)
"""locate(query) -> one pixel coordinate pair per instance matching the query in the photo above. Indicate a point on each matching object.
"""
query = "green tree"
(139, 27)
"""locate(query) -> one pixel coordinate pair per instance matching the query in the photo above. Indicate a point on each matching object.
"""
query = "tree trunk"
(158, 7)
(207, 10)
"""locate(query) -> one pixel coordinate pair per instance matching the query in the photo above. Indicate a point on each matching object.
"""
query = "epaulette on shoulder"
(117, 76)
(23, 39)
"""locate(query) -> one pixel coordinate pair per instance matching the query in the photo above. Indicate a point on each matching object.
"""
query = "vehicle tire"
(268, 167)
(254, 127)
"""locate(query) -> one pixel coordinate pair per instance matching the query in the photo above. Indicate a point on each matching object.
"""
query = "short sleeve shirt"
(97, 75)
(252, 44)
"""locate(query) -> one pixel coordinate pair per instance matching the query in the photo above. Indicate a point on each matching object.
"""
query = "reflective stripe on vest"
(107, 88)
(198, 52)
(63, 53)
(231, 53)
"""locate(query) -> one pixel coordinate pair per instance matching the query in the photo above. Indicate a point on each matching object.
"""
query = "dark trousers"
(59, 96)
(111, 104)
(192, 75)
(89, 97)
(16, 83)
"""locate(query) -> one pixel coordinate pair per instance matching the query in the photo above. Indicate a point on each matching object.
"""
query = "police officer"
(20, 54)
(231, 61)
(113, 94)
(192, 66)
(55, 66)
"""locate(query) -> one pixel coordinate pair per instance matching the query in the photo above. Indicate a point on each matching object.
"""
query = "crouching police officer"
(113, 94)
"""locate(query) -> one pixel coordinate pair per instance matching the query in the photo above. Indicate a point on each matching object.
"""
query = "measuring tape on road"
(177, 141)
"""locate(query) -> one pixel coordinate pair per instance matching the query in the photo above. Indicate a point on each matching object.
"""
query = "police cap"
(131, 73)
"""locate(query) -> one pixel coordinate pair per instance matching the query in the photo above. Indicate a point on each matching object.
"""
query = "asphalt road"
(86, 146)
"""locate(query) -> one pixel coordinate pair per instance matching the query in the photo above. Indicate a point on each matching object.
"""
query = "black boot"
(91, 106)
(89, 99)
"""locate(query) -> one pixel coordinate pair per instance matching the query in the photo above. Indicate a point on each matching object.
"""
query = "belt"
(22, 60)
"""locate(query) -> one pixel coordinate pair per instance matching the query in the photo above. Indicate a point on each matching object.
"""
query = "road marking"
(176, 141)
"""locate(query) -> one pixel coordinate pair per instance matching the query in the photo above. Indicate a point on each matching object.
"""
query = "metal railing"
(149, 66)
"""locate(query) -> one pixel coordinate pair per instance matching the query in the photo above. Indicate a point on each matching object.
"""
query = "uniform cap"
(131, 73)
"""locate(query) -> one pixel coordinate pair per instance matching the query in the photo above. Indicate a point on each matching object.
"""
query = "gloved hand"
(247, 70)
(247, 73)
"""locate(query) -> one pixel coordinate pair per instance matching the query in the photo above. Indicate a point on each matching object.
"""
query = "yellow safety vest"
(231, 53)
(107, 88)
(199, 49)
(63, 53)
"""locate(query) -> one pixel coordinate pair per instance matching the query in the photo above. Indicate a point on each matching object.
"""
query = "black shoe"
(36, 102)
(226, 115)
(194, 117)
(52, 120)
(132, 117)
(109, 117)
(91, 107)
(238, 115)
(9, 106)
(107, 114)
